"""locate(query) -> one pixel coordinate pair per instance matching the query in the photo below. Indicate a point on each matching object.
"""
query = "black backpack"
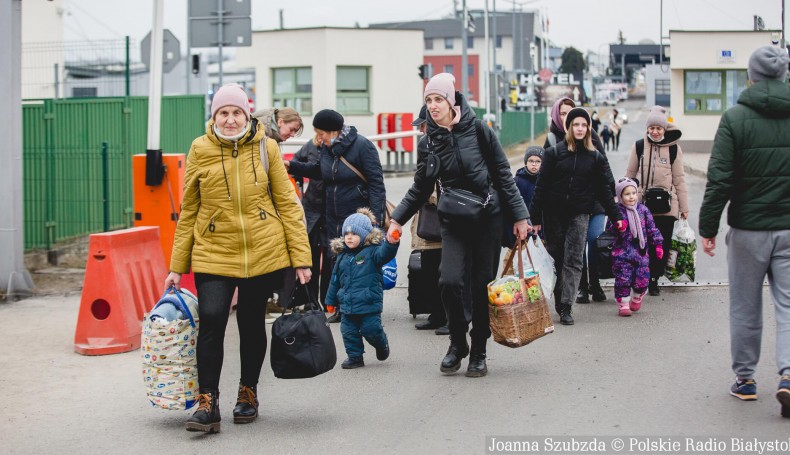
(640, 150)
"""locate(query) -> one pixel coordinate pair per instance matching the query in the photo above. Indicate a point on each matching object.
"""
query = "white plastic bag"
(682, 255)
(544, 265)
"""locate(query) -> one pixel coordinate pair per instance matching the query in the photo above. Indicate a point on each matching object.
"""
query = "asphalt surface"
(663, 373)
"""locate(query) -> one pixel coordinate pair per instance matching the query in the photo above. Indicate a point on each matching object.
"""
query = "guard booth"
(399, 151)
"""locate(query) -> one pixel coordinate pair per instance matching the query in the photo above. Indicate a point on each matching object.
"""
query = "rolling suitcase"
(424, 281)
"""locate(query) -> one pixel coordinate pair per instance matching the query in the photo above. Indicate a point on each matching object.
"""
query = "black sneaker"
(783, 395)
(352, 362)
(566, 315)
(652, 288)
(582, 297)
(443, 330)
(745, 390)
(383, 353)
(597, 293)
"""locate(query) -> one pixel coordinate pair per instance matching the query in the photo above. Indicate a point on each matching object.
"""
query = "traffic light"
(195, 63)
(422, 72)
(470, 22)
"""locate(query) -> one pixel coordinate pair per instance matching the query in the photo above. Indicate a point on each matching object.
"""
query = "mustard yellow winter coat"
(228, 224)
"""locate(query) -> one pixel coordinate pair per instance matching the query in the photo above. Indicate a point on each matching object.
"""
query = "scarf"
(635, 223)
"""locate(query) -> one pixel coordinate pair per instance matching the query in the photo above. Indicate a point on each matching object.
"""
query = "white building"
(657, 85)
(42, 25)
(708, 73)
(358, 72)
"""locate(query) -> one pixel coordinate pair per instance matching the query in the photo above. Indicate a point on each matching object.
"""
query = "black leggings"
(470, 258)
(665, 225)
(214, 298)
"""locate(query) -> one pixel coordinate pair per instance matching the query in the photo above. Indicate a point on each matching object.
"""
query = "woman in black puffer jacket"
(573, 176)
(464, 154)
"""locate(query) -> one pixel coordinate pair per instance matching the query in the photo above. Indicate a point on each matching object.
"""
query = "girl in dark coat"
(455, 157)
(573, 176)
(590, 283)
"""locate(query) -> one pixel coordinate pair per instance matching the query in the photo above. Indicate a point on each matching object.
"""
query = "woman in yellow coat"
(240, 226)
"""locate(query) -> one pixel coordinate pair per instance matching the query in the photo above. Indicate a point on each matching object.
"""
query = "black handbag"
(302, 343)
(428, 224)
(604, 245)
(456, 204)
(657, 200)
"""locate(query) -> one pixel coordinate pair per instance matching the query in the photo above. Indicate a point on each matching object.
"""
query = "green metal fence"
(516, 125)
(64, 173)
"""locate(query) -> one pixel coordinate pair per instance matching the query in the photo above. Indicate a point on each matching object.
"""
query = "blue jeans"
(594, 228)
(356, 326)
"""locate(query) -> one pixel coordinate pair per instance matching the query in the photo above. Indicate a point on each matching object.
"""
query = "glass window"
(293, 87)
(428, 43)
(662, 87)
(448, 69)
(703, 82)
(712, 92)
(736, 83)
(448, 43)
(499, 41)
(353, 89)
(429, 70)
(470, 70)
(470, 42)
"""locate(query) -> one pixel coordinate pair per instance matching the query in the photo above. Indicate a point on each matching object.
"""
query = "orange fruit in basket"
(498, 301)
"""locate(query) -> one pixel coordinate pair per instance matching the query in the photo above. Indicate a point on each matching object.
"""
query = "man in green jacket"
(750, 168)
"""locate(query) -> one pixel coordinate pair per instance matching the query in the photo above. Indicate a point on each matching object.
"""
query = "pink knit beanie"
(657, 117)
(622, 184)
(230, 95)
(443, 84)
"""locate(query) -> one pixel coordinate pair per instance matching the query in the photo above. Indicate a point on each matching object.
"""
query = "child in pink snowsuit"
(630, 258)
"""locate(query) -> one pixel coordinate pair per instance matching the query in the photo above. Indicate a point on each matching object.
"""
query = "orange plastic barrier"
(123, 280)
(159, 205)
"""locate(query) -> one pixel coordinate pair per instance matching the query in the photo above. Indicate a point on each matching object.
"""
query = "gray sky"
(584, 24)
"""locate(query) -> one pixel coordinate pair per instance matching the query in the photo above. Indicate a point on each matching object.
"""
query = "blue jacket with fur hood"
(357, 284)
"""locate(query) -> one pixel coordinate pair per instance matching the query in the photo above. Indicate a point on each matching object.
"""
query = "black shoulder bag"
(457, 204)
(656, 199)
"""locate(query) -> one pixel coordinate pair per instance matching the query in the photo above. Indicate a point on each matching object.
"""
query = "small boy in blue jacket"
(357, 286)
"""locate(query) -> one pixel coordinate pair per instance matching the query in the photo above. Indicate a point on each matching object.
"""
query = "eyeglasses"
(533, 161)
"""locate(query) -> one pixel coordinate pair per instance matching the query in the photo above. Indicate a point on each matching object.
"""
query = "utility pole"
(488, 64)
(464, 57)
(155, 76)
(15, 280)
(496, 75)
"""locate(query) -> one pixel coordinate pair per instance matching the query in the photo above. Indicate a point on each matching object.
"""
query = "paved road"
(661, 373)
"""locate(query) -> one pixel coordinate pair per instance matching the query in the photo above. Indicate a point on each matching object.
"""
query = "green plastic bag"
(682, 257)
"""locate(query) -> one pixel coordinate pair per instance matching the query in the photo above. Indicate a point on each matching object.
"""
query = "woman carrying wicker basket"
(465, 158)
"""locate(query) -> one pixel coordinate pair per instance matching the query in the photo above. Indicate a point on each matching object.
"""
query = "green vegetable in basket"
(533, 293)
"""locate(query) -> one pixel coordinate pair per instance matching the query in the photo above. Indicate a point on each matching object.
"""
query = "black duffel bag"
(302, 343)
(604, 245)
